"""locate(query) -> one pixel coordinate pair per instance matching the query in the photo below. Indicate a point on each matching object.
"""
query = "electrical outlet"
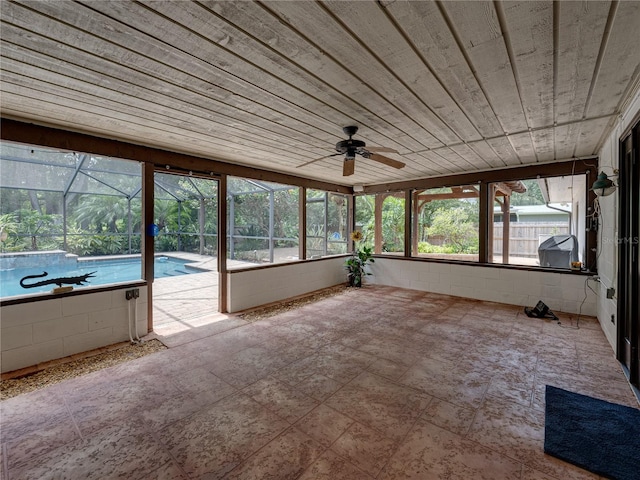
(134, 293)
(611, 292)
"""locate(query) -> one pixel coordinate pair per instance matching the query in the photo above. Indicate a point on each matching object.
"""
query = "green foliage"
(337, 215)
(8, 230)
(94, 220)
(426, 247)
(332, 207)
(315, 240)
(172, 216)
(31, 222)
(36, 231)
(189, 242)
(106, 244)
(9, 223)
(392, 221)
(393, 224)
(102, 213)
(244, 244)
(166, 243)
(78, 242)
(533, 195)
(356, 264)
(365, 217)
(286, 213)
(83, 244)
(252, 209)
(457, 228)
(334, 248)
(252, 216)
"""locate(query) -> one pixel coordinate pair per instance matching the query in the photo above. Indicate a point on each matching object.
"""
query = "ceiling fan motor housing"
(349, 146)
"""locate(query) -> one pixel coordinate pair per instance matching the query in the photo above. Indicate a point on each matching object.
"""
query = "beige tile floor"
(376, 383)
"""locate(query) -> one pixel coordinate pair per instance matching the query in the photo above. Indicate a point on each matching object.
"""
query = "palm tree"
(102, 213)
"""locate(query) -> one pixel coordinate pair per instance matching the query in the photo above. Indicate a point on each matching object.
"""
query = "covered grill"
(558, 251)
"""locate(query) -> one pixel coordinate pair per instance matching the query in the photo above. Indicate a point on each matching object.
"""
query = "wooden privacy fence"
(524, 238)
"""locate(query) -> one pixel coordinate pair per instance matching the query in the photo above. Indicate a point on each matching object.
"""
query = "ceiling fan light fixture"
(350, 154)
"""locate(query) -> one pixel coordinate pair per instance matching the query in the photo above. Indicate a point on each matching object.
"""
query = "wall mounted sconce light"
(603, 185)
(358, 188)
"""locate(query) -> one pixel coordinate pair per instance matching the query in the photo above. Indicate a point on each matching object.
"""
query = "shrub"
(426, 247)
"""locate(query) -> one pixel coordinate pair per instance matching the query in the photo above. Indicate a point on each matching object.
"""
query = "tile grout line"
(156, 438)
(404, 437)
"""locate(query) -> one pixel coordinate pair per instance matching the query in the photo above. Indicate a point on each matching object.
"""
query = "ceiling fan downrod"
(350, 147)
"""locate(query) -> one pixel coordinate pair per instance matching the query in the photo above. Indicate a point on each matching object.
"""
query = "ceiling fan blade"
(382, 149)
(386, 160)
(318, 159)
(348, 167)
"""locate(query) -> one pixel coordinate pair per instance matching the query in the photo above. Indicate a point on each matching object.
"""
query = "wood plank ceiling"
(453, 86)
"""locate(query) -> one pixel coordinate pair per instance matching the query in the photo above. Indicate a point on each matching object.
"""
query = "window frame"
(120, 181)
(324, 237)
(156, 158)
(414, 211)
(575, 223)
(587, 166)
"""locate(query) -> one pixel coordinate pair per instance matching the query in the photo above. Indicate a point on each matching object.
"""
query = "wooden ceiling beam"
(587, 165)
(31, 134)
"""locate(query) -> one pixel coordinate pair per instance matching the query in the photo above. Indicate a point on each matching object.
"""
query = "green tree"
(39, 228)
(392, 221)
(457, 228)
(101, 213)
(393, 224)
(365, 218)
(8, 230)
(285, 215)
(533, 195)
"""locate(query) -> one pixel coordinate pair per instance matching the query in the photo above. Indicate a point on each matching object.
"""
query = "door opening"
(629, 256)
(186, 277)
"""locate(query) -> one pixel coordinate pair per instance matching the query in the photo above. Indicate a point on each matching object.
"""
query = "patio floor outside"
(187, 301)
(177, 301)
(375, 383)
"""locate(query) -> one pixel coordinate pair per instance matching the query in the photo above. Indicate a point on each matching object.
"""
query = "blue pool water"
(106, 271)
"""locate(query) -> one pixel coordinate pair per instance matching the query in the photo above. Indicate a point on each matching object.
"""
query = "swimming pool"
(106, 271)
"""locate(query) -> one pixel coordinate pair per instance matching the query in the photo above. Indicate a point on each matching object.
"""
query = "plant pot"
(355, 281)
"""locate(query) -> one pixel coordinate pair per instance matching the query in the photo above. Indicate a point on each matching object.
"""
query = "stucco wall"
(40, 331)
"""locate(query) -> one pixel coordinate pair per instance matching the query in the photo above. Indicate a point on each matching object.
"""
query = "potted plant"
(358, 261)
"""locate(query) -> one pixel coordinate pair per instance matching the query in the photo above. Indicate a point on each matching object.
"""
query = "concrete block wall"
(35, 332)
(252, 288)
(561, 292)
